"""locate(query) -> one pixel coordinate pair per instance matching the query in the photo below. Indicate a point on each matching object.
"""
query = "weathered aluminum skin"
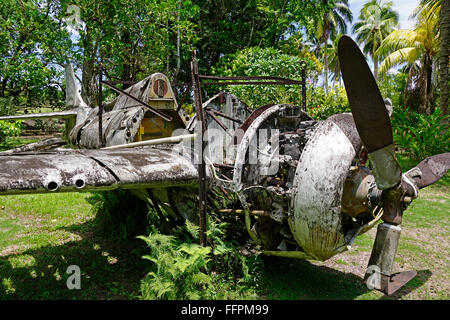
(35, 173)
(147, 167)
(121, 124)
(119, 127)
(315, 220)
(85, 170)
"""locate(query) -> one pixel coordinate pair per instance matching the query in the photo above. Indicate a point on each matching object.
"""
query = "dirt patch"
(422, 250)
(14, 249)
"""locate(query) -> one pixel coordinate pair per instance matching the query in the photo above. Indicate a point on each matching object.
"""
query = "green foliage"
(392, 86)
(182, 269)
(420, 135)
(320, 106)
(376, 20)
(7, 106)
(178, 269)
(9, 129)
(120, 214)
(32, 43)
(229, 26)
(266, 62)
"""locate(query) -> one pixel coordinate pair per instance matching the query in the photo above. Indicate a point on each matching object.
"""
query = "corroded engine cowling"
(316, 215)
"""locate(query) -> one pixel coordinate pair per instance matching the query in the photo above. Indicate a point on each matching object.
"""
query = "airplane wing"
(45, 115)
(90, 170)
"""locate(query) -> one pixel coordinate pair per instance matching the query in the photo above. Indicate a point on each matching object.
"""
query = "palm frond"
(408, 55)
(398, 39)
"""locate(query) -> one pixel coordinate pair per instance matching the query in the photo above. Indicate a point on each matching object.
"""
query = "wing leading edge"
(90, 170)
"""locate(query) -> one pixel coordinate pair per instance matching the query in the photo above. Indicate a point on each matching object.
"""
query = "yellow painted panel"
(153, 127)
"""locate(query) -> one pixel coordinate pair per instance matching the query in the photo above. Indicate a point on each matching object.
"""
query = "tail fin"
(77, 111)
(73, 97)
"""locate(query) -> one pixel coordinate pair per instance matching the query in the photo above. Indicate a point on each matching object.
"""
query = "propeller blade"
(366, 102)
(370, 113)
(433, 168)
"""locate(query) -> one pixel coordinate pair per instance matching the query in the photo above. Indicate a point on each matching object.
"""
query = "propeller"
(397, 190)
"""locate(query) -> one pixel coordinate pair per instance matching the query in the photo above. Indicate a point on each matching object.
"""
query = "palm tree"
(333, 21)
(411, 46)
(375, 22)
(334, 60)
(431, 8)
(444, 57)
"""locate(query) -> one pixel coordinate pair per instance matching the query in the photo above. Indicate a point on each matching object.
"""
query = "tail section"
(77, 109)
(73, 97)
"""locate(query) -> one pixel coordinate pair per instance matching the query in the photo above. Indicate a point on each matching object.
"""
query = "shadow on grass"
(109, 269)
(287, 279)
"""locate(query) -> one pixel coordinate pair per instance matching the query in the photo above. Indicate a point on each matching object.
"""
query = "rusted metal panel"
(85, 170)
(201, 166)
(357, 186)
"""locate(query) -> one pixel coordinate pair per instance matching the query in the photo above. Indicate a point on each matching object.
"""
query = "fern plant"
(178, 272)
(182, 269)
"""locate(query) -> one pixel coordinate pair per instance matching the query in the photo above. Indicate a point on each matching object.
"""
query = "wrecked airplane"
(303, 187)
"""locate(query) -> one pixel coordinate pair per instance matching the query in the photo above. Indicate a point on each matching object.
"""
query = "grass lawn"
(41, 235)
(13, 142)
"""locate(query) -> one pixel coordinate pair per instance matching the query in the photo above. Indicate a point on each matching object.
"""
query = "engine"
(299, 184)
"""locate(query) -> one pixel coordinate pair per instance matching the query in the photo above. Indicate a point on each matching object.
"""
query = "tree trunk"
(325, 57)
(3, 89)
(325, 60)
(88, 73)
(177, 70)
(428, 65)
(444, 54)
(128, 59)
(375, 64)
